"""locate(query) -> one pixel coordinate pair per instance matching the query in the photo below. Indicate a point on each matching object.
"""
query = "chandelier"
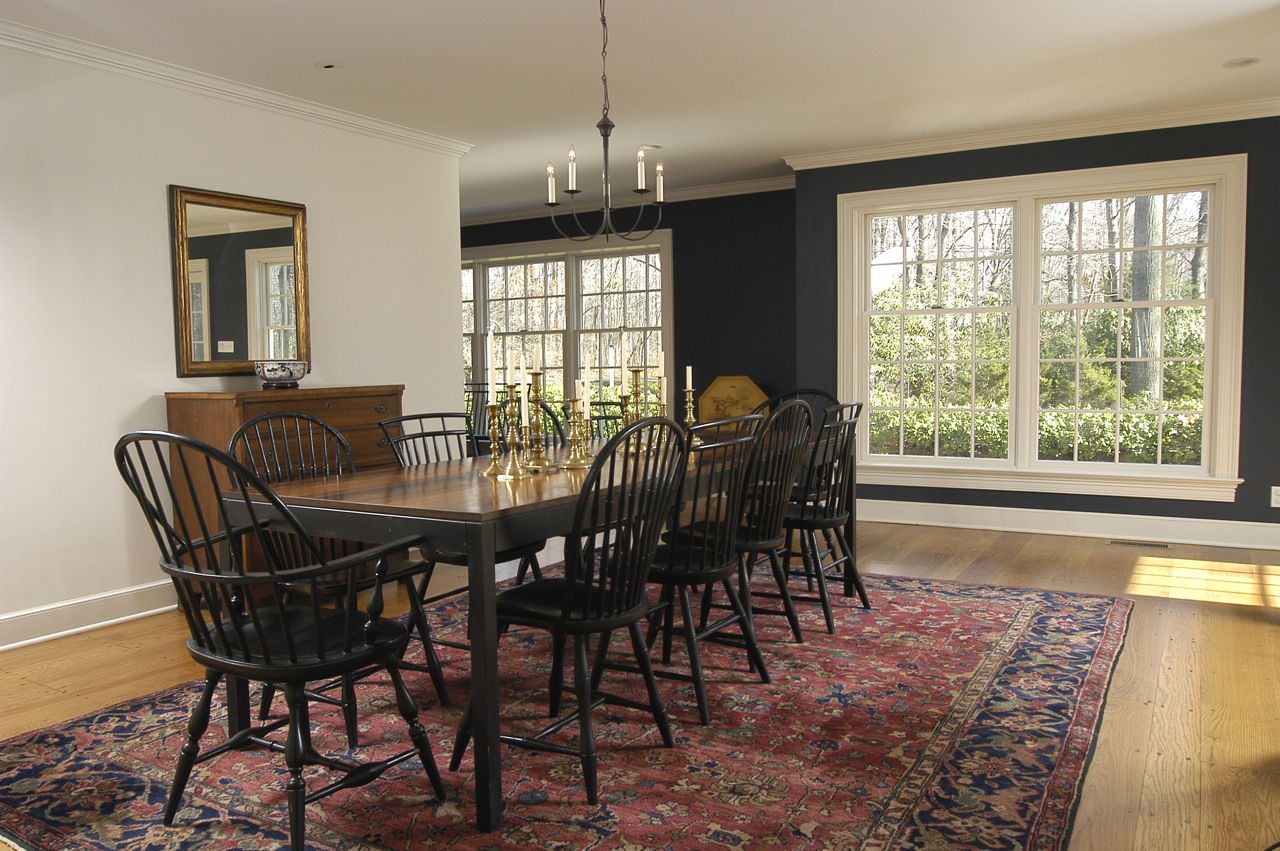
(606, 227)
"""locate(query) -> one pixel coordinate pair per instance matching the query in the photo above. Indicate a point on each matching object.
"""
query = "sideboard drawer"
(354, 411)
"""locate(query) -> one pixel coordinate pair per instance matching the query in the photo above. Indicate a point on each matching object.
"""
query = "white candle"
(551, 183)
(658, 172)
(688, 377)
(537, 360)
(640, 168)
(662, 380)
(524, 396)
(493, 368)
(573, 169)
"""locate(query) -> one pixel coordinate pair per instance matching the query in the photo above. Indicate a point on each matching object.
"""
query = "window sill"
(1075, 481)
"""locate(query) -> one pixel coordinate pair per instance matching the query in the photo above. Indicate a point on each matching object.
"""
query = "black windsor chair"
(770, 482)
(701, 550)
(434, 438)
(249, 622)
(822, 502)
(626, 497)
(292, 446)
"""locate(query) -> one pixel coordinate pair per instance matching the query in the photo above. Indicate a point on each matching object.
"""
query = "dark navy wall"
(816, 194)
(734, 283)
(755, 287)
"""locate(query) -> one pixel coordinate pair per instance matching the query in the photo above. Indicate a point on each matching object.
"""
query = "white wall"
(86, 306)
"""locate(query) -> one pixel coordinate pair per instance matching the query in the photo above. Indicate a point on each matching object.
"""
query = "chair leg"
(586, 732)
(811, 555)
(409, 712)
(781, 570)
(461, 739)
(268, 697)
(742, 610)
(196, 726)
(419, 616)
(529, 564)
(695, 656)
(555, 682)
(656, 706)
(349, 711)
(295, 753)
(852, 579)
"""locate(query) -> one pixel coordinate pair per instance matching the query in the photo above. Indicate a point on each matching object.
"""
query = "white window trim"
(255, 262)
(1215, 481)
(658, 242)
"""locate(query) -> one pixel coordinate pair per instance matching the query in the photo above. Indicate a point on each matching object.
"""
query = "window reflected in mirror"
(240, 281)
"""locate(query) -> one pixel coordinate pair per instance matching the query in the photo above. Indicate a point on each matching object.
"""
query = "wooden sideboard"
(354, 411)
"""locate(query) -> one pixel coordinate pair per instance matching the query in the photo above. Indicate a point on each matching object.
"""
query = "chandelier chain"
(604, 59)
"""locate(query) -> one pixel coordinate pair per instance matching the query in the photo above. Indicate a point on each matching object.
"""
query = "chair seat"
(670, 564)
(293, 639)
(502, 555)
(803, 517)
(541, 603)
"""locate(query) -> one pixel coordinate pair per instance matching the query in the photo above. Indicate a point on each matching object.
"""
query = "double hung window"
(578, 311)
(1071, 332)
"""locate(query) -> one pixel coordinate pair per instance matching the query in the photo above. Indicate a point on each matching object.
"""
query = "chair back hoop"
(819, 402)
(826, 484)
(606, 419)
(430, 438)
(284, 446)
(622, 509)
(475, 402)
(774, 467)
(704, 522)
(248, 616)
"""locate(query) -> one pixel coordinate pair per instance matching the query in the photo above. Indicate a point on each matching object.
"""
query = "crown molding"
(694, 193)
(1264, 108)
(118, 62)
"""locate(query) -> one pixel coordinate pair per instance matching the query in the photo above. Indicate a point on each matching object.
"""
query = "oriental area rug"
(947, 716)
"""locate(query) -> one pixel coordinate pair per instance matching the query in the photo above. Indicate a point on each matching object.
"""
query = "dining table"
(454, 508)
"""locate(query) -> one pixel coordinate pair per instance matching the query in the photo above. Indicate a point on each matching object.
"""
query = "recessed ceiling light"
(1242, 62)
(329, 66)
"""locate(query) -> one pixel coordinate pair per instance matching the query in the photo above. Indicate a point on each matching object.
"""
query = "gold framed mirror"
(239, 281)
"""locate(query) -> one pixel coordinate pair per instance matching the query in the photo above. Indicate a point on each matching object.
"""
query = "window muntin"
(583, 308)
(938, 333)
(1076, 242)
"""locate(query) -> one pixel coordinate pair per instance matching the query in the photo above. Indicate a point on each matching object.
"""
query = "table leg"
(481, 550)
(238, 710)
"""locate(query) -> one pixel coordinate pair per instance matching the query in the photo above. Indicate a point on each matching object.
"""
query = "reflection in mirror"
(240, 281)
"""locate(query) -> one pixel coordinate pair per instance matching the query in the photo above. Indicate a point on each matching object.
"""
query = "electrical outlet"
(1275, 496)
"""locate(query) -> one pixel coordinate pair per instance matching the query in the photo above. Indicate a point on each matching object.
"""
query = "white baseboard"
(1173, 530)
(68, 617)
(44, 623)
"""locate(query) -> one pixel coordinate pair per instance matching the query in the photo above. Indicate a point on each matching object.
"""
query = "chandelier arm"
(583, 234)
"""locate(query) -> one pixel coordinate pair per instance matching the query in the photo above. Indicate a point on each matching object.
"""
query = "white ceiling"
(730, 88)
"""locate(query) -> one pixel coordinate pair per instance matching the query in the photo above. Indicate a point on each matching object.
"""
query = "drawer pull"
(384, 443)
(380, 408)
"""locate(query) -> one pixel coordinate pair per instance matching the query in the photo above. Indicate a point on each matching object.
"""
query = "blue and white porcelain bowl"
(280, 373)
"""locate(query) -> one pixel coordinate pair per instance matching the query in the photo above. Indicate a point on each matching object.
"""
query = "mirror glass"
(240, 281)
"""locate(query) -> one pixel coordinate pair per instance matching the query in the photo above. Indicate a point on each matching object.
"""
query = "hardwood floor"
(1188, 756)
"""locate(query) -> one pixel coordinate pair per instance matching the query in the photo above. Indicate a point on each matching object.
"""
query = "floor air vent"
(1150, 545)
